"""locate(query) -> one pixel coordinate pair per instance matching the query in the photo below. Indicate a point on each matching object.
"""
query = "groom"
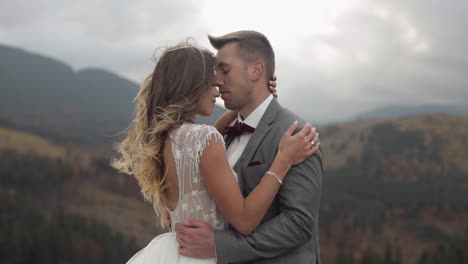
(289, 231)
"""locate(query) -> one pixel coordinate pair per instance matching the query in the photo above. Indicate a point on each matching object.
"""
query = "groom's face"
(232, 77)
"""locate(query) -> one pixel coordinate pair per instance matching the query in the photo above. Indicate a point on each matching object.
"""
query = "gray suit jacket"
(289, 231)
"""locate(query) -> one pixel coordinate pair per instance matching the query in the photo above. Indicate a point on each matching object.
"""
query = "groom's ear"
(257, 70)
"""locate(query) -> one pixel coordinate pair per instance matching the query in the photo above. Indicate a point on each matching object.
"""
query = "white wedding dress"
(188, 143)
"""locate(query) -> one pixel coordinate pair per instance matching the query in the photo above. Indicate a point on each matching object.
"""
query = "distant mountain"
(401, 182)
(392, 189)
(396, 111)
(63, 204)
(49, 98)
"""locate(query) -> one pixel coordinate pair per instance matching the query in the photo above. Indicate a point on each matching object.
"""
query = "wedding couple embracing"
(246, 190)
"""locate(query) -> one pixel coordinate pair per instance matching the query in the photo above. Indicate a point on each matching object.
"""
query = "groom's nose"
(218, 80)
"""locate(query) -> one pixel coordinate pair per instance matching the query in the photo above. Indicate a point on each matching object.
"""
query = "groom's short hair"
(253, 45)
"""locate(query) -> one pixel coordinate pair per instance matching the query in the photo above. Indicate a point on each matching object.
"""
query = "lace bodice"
(188, 143)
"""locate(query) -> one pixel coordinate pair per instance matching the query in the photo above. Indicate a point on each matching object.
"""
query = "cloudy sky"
(335, 58)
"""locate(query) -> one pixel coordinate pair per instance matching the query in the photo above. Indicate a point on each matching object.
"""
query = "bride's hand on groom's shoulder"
(298, 147)
(196, 239)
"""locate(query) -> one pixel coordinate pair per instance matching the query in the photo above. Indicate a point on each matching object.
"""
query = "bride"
(169, 154)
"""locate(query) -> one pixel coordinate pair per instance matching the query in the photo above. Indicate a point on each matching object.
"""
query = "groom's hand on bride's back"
(196, 239)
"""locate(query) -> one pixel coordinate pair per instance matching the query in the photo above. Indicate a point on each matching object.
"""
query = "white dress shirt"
(238, 144)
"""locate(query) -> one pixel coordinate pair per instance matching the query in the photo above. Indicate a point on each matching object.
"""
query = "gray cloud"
(114, 34)
(17, 14)
(386, 52)
(439, 74)
(381, 52)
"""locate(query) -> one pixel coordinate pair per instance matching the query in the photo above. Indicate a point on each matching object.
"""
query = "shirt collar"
(254, 118)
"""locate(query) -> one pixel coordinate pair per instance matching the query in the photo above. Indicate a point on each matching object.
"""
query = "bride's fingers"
(291, 128)
(314, 139)
(313, 149)
(272, 88)
(305, 130)
(311, 135)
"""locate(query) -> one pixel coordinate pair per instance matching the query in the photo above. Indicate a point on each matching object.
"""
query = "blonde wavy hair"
(167, 98)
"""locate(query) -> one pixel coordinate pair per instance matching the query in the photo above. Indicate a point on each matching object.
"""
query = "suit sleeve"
(299, 201)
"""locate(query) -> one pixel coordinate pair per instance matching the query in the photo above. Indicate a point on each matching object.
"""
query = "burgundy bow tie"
(238, 129)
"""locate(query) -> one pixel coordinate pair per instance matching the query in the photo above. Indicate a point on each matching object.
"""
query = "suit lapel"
(228, 140)
(264, 126)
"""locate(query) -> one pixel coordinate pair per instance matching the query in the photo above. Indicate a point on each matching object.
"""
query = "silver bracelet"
(274, 175)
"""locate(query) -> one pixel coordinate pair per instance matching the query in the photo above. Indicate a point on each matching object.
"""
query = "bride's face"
(207, 101)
